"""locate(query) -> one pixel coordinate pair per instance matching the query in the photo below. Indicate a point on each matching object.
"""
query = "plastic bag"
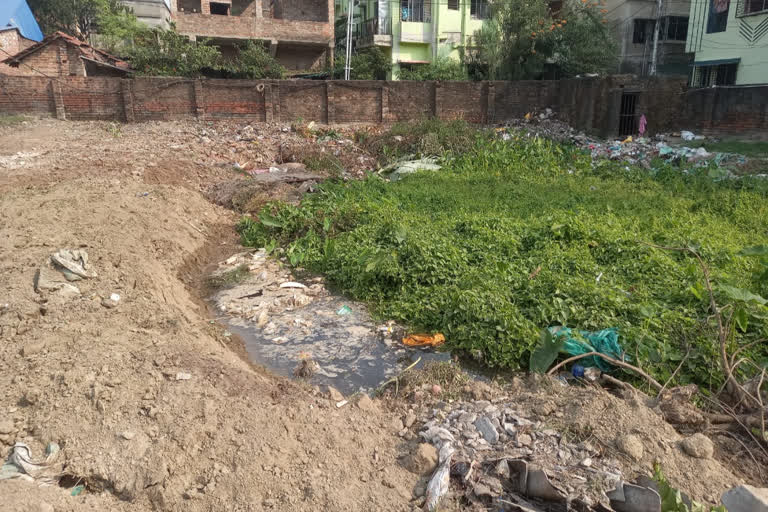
(582, 342)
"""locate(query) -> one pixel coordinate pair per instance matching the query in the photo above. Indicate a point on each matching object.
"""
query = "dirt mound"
(149, 405)
(251, 193)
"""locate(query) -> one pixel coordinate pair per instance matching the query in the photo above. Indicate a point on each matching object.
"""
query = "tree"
(444, 68)
(368, 64)
(253, 62)
(81, 18)
(159, 52)
(521, 37)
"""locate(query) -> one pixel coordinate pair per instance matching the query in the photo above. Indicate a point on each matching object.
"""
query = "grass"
(323, 163)
(447, 375)
(512, 237)
(750, 149)
(11, 120)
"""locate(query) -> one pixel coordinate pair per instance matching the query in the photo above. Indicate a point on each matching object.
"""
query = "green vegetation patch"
(11, 120)
(512, 237)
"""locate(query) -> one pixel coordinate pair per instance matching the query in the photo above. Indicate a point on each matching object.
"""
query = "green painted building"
(730, 41)
(415, 32)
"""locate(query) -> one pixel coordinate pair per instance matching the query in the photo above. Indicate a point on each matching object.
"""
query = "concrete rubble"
(509, 459)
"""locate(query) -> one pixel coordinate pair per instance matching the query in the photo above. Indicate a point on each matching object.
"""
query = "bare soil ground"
(108, 384)
(88, 377)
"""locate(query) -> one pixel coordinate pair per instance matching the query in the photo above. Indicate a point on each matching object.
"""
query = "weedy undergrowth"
(515, 236)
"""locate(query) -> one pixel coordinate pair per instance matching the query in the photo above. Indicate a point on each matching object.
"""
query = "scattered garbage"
(397, 170)
(634, 150)
(424, 340)
(20, 464)
(582, 342)
(344, 310)
(115, 297)
(183, 376)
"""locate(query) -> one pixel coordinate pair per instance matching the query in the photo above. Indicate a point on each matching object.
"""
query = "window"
(676, 28)
(478, 9)
(721, 74)
(221, 9)
(189, 6)
(755, 6)
(643, 31)
(718, 16)
(453, 5)
(418, 11)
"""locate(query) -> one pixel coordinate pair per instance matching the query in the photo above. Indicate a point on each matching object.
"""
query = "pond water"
(350, 352)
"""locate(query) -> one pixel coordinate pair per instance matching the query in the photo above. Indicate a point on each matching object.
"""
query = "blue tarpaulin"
(16, 13)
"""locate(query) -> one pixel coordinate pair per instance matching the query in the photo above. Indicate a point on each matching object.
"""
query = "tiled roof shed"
(63, 55)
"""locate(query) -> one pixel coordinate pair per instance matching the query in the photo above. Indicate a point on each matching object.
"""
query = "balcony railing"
(365, 31)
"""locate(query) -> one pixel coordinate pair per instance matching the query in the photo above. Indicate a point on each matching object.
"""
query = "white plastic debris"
(21, 465)
(291, 284)
(183, 376)
(438, 484)
(115, 297)
(74, 261)
(686, 135)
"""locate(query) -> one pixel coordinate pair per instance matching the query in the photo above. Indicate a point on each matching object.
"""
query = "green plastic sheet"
(582, 342)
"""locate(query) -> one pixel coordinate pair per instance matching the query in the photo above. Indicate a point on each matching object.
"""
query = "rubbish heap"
(632, 150)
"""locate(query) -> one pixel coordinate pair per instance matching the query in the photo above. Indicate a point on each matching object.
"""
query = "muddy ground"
(153, 405)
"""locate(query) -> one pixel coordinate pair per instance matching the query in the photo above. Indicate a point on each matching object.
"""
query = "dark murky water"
(351, 352)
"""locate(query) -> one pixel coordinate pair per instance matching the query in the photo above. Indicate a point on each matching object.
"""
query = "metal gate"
(627, 114)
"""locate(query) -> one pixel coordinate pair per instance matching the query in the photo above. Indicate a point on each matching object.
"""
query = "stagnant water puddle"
(283, 326)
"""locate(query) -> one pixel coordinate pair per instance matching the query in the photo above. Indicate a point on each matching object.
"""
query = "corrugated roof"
(16, 13)
(87, 51)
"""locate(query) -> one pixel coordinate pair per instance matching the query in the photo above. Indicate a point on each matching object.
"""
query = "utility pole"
(656, 28)
(347, 62)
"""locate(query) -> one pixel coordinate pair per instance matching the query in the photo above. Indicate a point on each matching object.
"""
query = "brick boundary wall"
(740, 111)
(590, 104)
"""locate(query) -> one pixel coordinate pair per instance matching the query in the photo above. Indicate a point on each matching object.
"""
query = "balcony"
(373, 32)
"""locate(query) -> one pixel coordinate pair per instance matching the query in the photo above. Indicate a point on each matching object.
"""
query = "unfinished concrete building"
(299, 33)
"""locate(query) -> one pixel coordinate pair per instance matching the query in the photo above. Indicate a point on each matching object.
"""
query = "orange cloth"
(423, 340)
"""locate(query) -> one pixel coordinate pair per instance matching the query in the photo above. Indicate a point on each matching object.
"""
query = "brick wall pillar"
(437, 86)
(276, 102)
(330, 114)
(268, 103)
(384, 103)
(58, 100)
(199, 101)
(62, 61)
(127, 89)
(205, 6)
(490, 103)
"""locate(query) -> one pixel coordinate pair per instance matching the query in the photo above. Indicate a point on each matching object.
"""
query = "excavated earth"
(154, 405)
